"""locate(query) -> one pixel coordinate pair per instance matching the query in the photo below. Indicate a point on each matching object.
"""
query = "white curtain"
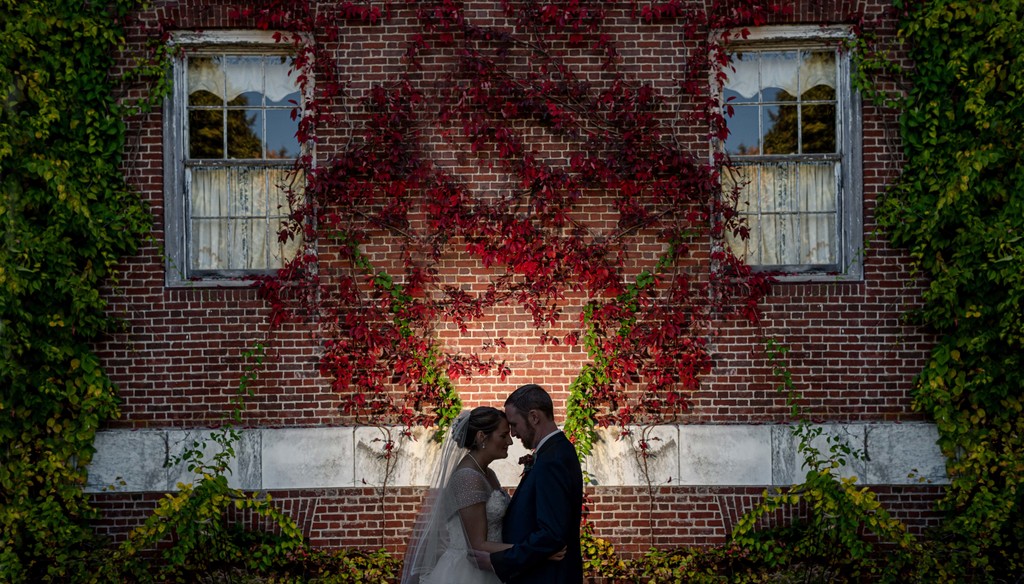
(793, 71)
(792, 213)
(236, 214)
(230, 76)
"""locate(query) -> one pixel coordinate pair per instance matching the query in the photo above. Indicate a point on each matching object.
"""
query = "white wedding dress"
(455, 566)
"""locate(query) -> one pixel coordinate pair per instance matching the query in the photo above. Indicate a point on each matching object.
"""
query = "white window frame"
(849, 228)
(178, 271)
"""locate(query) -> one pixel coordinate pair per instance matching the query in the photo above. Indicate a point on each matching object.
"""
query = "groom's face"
(521, 426)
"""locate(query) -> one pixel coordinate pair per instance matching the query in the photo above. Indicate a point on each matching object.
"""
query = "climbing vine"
(646, 321)
(842, 527)
(191, 530)
(66, 217)
(958, 209)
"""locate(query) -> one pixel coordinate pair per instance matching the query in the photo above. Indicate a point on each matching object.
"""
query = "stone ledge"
(691, 455)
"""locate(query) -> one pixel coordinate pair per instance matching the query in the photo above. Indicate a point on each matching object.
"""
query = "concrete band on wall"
(338, 457)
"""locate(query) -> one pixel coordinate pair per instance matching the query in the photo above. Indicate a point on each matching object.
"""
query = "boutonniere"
(527, 461)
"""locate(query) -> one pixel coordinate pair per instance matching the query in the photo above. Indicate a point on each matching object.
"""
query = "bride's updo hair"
(482, 419)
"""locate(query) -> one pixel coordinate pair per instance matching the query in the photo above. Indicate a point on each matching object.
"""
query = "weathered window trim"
(177, 272)
(849, 266)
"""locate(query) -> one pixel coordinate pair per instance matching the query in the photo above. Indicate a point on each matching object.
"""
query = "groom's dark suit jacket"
(542, 518)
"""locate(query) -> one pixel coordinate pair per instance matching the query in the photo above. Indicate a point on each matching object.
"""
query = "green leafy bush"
(188, 535)
(190, 532)
(346, 566)
(842, 531)
(66, 218)
(959, 210)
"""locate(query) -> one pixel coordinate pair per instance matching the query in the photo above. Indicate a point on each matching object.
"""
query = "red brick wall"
(179, 358)
(628, 517)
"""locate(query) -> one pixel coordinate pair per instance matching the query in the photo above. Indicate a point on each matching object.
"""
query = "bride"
(465, 505)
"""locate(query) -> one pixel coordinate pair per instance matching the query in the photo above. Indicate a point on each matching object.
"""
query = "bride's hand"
(558, 555)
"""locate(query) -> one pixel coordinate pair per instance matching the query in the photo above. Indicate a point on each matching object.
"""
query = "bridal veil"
(430, 536)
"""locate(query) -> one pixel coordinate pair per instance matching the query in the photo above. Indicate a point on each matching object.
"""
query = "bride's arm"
(474, 521)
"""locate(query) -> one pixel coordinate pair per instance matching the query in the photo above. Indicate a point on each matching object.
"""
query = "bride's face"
(497, 442)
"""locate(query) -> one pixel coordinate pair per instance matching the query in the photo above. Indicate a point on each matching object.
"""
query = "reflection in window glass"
(237, 104)
(280, 136)
(818, 126)
(245, 133)
(780, 130)
(746, 138)
(206, 133)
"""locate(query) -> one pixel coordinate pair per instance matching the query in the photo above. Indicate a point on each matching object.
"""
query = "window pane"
(281, 134)
(743, 131)
(209, 193)
(792, 213)
(780, 129)
(769, 243)
(249, 245)
(743, 79)
(278, 210)
(205, 81)
(818, 70)
(744, 177)
(818, 187)
(237, 213)
(778, 188)
(246, 186)
(732, 97)
(249, 98)
(274, 201)
(818, 237)
(205, 99)
(206, 133)
(746, 249)
(819, 93)
(818, 128)
(281, 86)
(282, 251)
(779, 75)
(207, 247)
(244, 75)
(245, 131)
(797, 239)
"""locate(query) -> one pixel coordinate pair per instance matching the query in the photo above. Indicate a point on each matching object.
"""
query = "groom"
(544, 514)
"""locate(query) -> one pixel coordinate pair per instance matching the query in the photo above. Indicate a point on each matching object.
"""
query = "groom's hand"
(482, 560)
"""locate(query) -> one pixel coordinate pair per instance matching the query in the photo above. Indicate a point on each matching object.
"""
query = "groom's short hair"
(531, 397)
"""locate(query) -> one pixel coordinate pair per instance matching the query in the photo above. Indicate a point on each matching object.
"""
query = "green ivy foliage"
(959, 209)
(190, 533)
(66, 217)
(844, 529)
(316, 566)
(345, 566)
(729, 563)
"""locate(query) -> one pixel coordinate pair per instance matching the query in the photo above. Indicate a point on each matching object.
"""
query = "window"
(229, 157)
(794, 145)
